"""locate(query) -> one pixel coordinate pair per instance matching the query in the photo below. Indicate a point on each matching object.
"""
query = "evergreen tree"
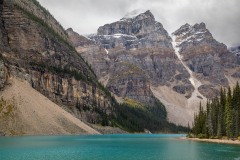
(236, 134)
(228, 115)
(221, 117)
(219, 129)
(238, 105)
(209, 122)
(214, 115)
(222, 110)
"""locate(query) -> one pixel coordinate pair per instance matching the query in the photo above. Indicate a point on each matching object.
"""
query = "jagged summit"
(204, 56)
(193, 34)
(131, 24)
(189, 29)
(135, 30)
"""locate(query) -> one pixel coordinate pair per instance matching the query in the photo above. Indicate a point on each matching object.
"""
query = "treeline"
(221, 117)
(138, 118)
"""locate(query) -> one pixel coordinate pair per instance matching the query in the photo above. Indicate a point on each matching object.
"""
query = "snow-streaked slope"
(194, 99)
(106, 51)
(194, 81)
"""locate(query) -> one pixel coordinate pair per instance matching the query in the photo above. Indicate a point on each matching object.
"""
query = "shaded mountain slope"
(35, 48)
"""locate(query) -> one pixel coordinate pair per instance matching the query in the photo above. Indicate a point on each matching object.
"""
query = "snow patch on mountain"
(106, 51)
(119, 35)
(194, 81)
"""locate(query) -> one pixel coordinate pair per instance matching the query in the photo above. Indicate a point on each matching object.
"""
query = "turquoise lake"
(113, 147)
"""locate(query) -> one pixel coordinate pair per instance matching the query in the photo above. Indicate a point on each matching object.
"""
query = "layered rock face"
(34, 47)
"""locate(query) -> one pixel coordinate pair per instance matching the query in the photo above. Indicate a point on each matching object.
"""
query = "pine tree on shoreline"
(221, 117)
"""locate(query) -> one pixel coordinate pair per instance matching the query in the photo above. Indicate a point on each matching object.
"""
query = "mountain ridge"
(203, 64)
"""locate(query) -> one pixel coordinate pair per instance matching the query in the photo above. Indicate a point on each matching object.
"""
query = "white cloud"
(85, 16)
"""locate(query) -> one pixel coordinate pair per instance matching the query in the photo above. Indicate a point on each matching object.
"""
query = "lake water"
(115, 147)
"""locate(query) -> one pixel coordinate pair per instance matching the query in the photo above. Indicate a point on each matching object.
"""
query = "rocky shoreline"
(221, 141)
(2, 134)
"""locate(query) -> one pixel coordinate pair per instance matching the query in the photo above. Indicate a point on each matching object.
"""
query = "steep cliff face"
(35, 48)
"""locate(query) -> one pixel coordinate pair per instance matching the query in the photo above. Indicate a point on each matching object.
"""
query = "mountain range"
(132, 74)
(137, 58)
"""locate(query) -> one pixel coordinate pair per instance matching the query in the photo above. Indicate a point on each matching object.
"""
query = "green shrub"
(189, 135)
(239, 138)
(224, 137)
(201, 136)
(6, 108)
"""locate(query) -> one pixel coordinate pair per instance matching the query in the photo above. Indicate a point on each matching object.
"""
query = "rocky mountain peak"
(135, 30)
(135, 22)
(188, 34)
(188, 29)
(204, 57)
(183, 28)
(201, 26)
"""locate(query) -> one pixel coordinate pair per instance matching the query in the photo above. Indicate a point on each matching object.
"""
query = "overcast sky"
(222, 17)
